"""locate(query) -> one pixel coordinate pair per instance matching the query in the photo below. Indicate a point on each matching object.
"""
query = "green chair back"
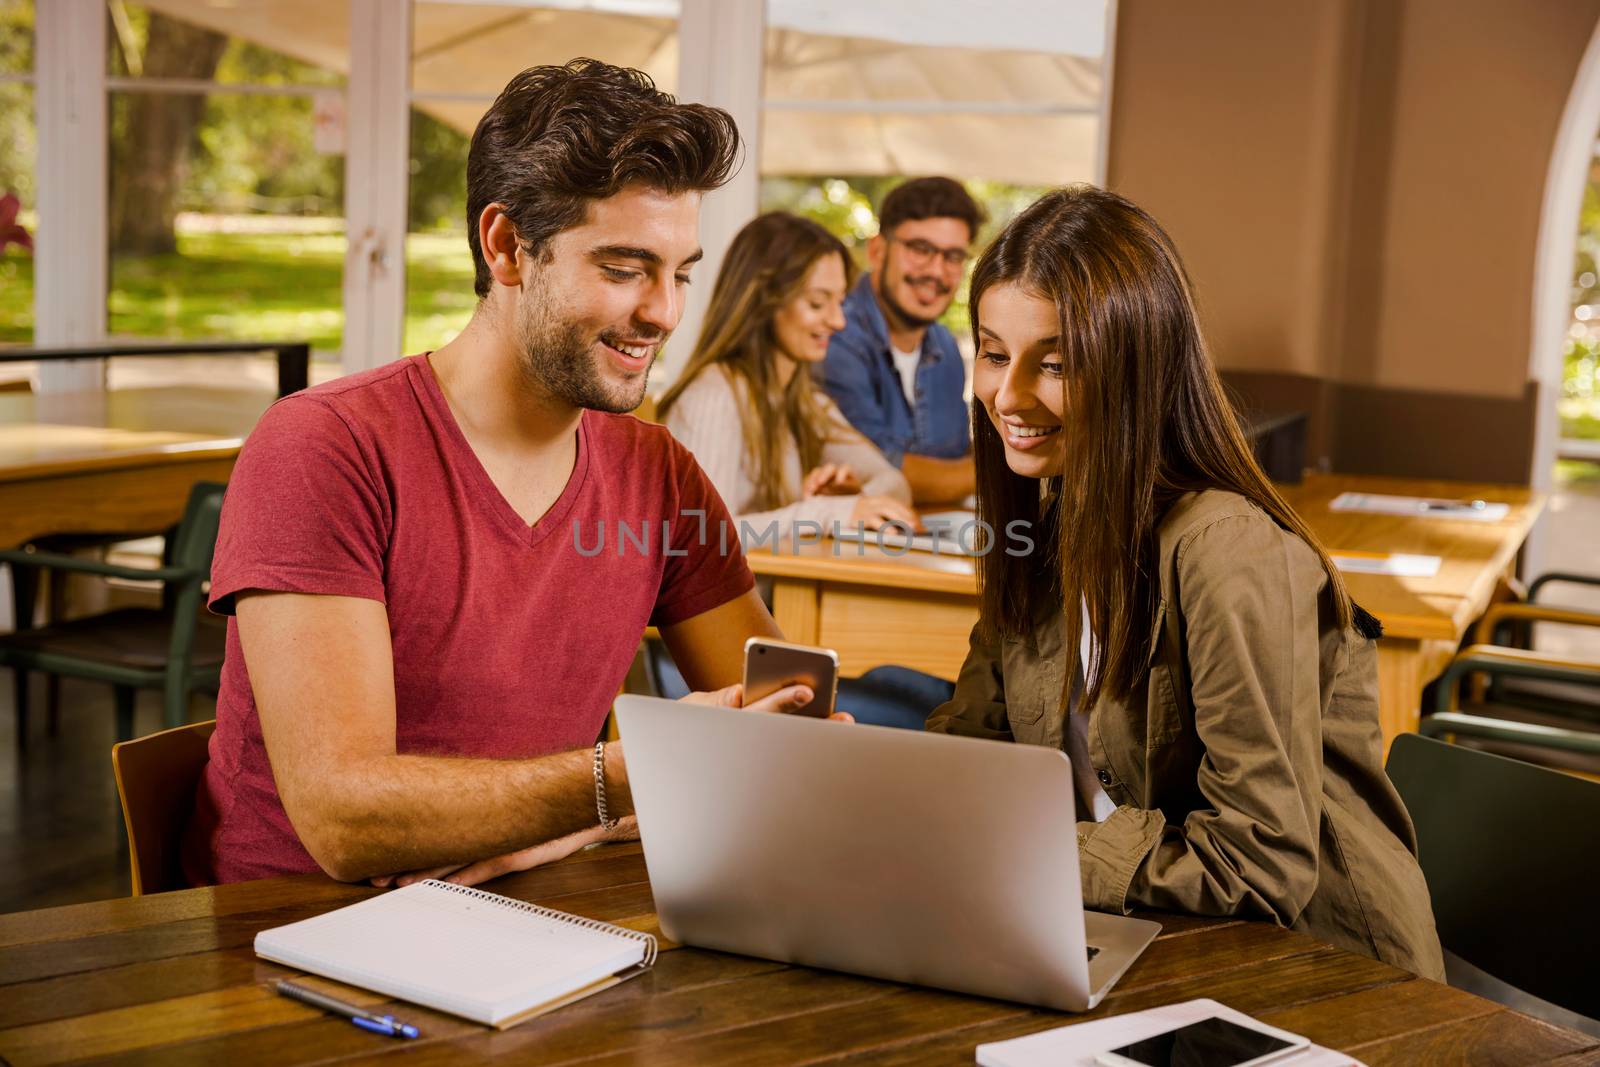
(196, 537)
(1511, 852)
(187, 567)
(191, 546)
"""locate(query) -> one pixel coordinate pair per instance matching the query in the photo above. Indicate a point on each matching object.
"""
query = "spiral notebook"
(483, 957)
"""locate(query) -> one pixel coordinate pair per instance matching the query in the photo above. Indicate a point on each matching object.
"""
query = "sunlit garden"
(285, 283)
(279, 276)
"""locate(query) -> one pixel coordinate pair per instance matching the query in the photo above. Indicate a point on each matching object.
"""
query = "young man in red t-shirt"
(426, 641)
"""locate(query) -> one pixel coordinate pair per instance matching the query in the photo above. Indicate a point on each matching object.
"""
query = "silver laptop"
(920, 858)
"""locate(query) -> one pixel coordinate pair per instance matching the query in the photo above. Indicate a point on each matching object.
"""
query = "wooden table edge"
(197, 451)
(849, 569)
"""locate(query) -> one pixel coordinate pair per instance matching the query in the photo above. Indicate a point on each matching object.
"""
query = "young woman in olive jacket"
(1176, 629)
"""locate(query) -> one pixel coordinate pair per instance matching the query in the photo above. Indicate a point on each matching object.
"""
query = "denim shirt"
(859, 374)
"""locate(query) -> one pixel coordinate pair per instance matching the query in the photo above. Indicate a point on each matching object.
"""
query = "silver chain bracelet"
(606, 822)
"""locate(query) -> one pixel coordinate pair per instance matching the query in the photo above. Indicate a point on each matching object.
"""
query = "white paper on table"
(1077, 1045)
(1424, 506)
(1396, 563)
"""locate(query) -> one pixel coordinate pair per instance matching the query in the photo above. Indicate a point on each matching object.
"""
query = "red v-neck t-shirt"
(510, 641)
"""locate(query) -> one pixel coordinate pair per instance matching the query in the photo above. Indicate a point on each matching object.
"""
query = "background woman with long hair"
(777, 449)
(1179, 631)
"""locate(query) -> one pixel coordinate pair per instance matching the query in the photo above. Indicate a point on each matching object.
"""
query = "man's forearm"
(404, 812)
(939, 481)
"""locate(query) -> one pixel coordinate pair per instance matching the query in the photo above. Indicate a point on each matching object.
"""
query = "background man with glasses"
(893, 370)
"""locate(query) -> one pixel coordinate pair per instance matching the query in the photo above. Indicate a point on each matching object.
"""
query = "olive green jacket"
(1246, 766)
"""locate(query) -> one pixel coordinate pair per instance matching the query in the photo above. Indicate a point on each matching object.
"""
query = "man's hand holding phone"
(783, 702)
(786, 699)
(771, 666)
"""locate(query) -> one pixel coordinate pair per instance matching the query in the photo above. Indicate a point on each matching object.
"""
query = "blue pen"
(378, 1024)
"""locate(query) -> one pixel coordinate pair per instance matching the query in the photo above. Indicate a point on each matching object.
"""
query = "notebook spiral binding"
(496, 899)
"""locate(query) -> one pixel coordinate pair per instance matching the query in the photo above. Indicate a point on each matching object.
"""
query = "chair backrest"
(156, 779)
(1509, 850)
(196, 537)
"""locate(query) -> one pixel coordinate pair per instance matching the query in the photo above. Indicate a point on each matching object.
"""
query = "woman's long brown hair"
(1146, 420)
(765, 267)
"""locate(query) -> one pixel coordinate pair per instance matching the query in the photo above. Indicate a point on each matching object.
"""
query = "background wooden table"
(875, 607)
(114, 461)
(872, 606)
(171, 979)
(1424, 619)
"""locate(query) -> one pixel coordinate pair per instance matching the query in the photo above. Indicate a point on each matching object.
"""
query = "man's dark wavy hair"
(930, 198)
(558, 137)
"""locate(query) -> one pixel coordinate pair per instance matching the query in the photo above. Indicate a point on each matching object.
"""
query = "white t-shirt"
(906, 364)
(1090, 795)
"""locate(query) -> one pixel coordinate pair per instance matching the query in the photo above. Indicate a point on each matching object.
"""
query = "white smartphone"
(1211, 1042)
(771, 665)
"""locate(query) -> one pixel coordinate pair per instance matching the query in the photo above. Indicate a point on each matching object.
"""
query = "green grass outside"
(1577, 474)
(439, 296)
(1581, 419)
(258, 285)
(16, 297)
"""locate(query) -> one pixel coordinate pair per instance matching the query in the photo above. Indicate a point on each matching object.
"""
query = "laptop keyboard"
(1093, 952)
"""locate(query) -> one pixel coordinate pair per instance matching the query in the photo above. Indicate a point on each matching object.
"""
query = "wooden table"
(121, 460)
(874, 607)
(171, 979)
(1424, 619)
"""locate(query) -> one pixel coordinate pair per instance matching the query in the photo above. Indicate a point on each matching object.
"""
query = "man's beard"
(555, 356)
(907, 317)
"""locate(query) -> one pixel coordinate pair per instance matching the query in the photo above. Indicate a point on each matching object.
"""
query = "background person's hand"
(875, 512)
(831, 479)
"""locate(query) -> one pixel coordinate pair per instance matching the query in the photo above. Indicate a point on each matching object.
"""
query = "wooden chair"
(1512, 627)
(1510, 624)
(1508, 851)
(1559, 732)
(156, 779)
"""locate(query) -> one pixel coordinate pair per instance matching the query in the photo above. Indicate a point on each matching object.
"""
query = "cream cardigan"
(706, 418)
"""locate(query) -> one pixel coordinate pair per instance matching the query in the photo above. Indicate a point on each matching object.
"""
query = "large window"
(226, 217)
(1580, 385)
(462, 56)
(18, 194)
(1007, 97)
(226, 137)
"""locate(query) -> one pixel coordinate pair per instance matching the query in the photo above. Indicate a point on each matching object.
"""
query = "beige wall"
(1479, 95)
(1355, 184)
(1218, 116)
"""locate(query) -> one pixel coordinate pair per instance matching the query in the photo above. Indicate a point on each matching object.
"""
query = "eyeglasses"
(921, 252)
